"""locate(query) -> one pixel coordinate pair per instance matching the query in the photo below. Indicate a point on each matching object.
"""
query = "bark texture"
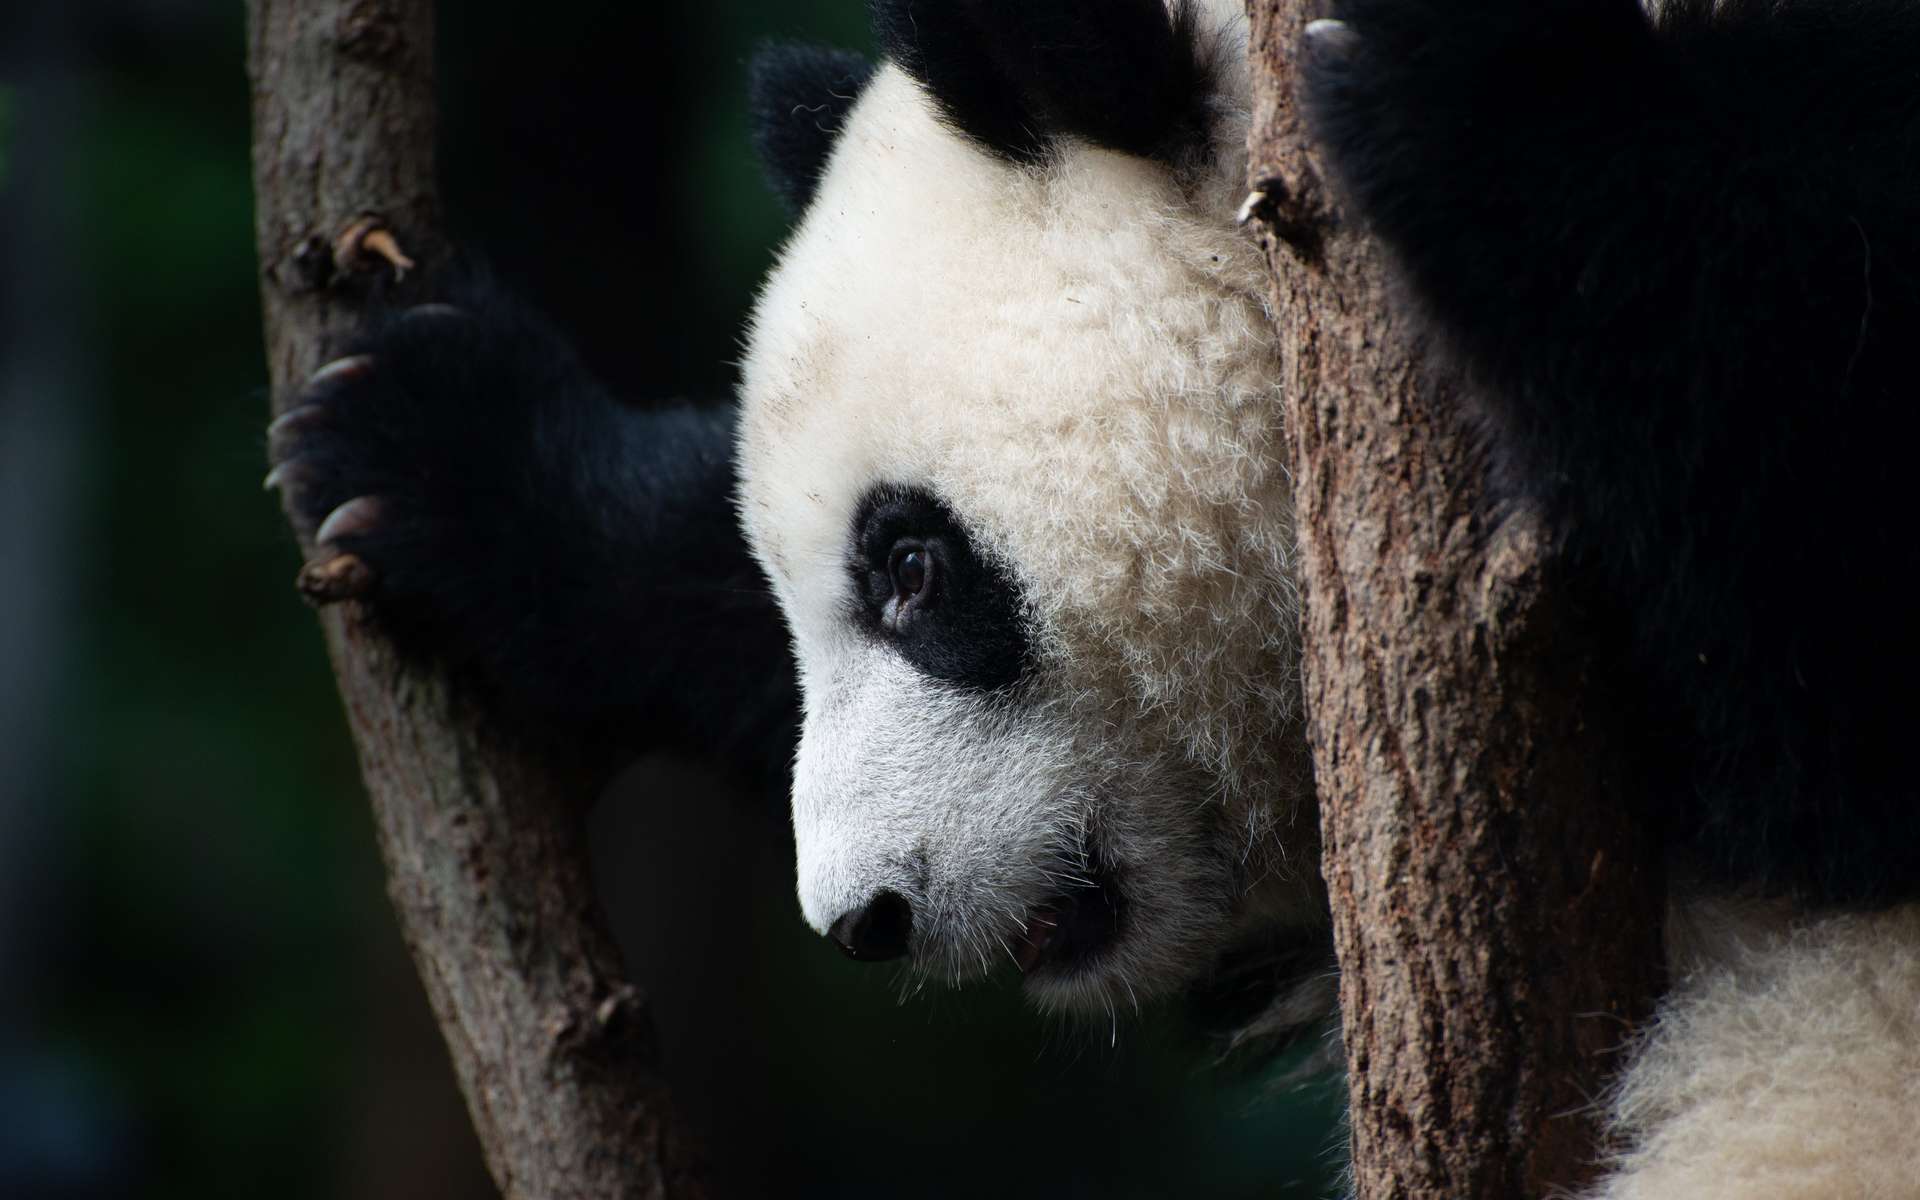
(1497, 905)
(555, 1051)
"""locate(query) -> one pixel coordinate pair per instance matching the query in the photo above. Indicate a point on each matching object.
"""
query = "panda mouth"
(1072, 928)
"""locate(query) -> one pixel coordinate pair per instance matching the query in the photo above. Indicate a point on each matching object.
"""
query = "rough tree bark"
(555, 1051)
(1497, 909)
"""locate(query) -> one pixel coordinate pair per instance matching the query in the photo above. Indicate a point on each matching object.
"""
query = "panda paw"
(572, 559)
(1371, 62)
(412, 472)
(1432, 116)
(320, 517)
(1367, 70)
(1368, 63)
(355, 479)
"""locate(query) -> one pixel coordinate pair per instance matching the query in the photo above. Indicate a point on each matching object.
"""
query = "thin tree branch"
(1497, 902)
(555, 1051)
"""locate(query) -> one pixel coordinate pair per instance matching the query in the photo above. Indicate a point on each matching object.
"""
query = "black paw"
(410, 465)
(574, 560)
(1368, 60)
(1369, 74)
(306, 446)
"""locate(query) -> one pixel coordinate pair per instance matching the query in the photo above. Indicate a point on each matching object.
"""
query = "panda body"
(1071, 354)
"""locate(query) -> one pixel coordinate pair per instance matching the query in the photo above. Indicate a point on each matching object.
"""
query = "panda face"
(1011, 458)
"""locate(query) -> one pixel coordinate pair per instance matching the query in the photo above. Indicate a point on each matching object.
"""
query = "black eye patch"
(919, 585)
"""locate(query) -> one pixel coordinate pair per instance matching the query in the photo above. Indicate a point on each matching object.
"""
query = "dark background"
(202, 992)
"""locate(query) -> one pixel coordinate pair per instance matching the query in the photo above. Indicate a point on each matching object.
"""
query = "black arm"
(1620, 228)
(575, 558)
(1683, 264)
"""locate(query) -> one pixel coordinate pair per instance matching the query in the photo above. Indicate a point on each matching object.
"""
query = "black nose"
(877, 932)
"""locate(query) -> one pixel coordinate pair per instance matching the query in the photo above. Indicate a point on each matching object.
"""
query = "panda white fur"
(1009, 452)
(1076, 362)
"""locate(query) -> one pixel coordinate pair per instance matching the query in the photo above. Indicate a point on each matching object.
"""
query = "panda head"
(1011, 457)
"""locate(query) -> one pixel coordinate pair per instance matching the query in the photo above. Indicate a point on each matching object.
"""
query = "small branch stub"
(368, 245)
(364, 249)
(1291, 212)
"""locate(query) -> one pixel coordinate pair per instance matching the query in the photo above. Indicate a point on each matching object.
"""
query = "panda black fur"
(1680, 259)
(1009, 452)
(574, 558)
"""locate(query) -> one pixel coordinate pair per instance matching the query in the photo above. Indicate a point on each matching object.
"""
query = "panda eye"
(911, 569)
(916, 586)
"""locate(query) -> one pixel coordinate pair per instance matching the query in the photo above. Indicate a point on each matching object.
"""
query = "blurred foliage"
(6, 130)
(219, 873)
(224, 970)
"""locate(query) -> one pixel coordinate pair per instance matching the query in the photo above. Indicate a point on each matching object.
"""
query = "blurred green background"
(202, 992)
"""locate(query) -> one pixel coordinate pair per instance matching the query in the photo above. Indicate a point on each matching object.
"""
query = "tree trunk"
(1497, 905)
(483, 842)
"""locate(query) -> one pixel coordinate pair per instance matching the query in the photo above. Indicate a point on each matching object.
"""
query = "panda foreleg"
(574, 558)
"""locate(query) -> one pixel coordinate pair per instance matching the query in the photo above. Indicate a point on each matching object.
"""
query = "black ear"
(798, 95)
(1014, 74)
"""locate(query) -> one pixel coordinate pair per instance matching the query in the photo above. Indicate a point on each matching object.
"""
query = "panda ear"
(1016, 74)
(798, 96)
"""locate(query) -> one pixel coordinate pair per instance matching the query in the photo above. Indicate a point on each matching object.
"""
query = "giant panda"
(1008, 455)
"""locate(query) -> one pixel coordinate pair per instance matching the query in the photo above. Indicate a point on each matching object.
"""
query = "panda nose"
(876, 932)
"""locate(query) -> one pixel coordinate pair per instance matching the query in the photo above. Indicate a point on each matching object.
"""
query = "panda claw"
(289, 474)
(357, 516)
(1328, 34)
(340, 370)
(432, 312)
(287, 426)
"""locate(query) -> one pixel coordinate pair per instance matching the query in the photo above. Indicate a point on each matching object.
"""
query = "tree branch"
(1497, 899)
(483, 840)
